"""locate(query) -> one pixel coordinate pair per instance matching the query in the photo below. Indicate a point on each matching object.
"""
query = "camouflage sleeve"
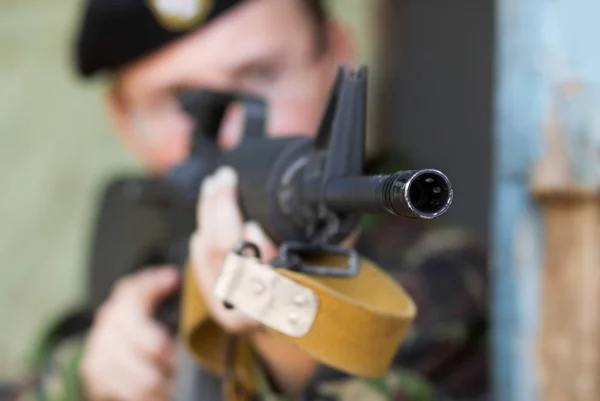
(444, 354)
(57, 377)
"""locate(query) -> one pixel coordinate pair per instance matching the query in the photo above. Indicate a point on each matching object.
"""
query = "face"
(263, 47)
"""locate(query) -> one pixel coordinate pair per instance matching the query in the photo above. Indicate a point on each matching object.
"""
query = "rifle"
(306, 192)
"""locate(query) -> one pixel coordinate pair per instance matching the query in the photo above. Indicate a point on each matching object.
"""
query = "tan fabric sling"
(359, 325)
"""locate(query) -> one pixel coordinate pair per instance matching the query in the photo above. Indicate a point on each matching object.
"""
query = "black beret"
(115, 32)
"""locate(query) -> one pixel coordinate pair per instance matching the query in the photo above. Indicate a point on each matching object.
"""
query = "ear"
(341, 44)
(122, 122)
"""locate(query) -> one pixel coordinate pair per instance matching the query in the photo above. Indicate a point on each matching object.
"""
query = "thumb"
(149, 287)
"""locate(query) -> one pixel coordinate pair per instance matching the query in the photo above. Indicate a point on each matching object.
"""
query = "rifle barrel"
(421, 194)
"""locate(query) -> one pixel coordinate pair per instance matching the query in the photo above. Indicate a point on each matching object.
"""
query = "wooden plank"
(569, 337)
(563, 184)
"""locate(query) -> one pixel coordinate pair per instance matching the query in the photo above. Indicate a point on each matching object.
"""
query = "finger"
(131, 375)
(206, 270)
(221, 218)
(146, 289)
(254, 233)
(101, 372)
(231, 130)
(109, 369)
(197, 247)
(147, 337)
(206, 190)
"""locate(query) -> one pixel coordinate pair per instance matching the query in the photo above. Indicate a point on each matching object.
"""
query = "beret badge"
(180, 15)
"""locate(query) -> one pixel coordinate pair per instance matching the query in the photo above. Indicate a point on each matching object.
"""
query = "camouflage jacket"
(443, 358)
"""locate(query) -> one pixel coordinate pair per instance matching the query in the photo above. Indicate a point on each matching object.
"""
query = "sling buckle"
(260, 292)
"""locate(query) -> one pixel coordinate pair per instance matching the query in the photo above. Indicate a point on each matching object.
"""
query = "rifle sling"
(359, 324)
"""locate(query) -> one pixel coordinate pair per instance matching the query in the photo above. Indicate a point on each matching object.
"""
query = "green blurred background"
(56, 150)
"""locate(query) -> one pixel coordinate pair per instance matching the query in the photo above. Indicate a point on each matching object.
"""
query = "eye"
(263, 74)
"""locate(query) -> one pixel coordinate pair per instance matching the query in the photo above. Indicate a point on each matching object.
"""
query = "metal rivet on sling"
(258, 287)
(300, 300)
(293, 317)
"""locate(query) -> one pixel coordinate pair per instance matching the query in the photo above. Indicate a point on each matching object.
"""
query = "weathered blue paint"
(515, 298)
(541, 46)
(517, 118)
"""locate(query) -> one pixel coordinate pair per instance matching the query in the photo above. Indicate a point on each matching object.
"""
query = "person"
(287, 52)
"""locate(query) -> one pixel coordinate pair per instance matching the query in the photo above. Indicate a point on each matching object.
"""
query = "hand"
(220, 229)
(128, 355)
